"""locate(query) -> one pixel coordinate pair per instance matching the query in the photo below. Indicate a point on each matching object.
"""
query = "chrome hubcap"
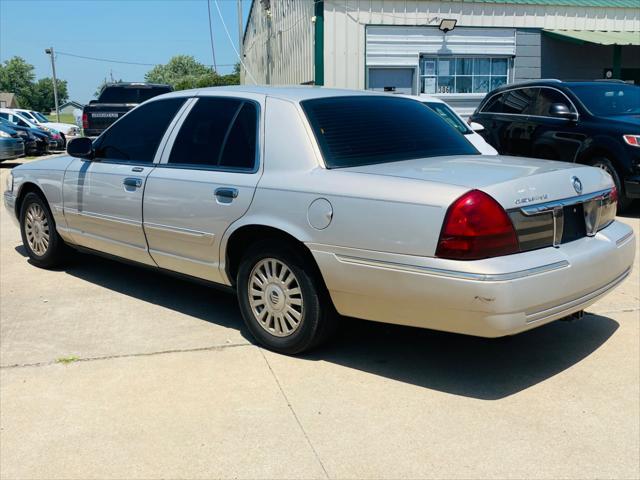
(36, 227)
(275, 297)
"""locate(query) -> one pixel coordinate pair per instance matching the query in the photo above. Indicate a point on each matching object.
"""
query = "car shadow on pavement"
(487, 369)
(8, 165)
(482, 368)
(188, 297)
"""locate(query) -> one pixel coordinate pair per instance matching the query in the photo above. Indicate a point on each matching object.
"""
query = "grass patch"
(66, 360)
(64, 118)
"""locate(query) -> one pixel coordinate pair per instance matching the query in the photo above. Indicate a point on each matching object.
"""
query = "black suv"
(595, 123)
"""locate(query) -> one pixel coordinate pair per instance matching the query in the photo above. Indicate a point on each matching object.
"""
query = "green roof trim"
(598, 38)
(566, 3)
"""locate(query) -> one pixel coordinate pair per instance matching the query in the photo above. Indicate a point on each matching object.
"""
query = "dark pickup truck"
(114, 101)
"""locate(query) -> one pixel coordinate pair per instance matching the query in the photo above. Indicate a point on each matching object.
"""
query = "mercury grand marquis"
(313, 203)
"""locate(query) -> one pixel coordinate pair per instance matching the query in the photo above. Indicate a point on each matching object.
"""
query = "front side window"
(135, 137)
(40, 117)
(449, 116)
(364, 130)
(445, 74)
(218, 133)
(546, 98)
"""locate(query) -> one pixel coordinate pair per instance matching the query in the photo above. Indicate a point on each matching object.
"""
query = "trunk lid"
(513, 181)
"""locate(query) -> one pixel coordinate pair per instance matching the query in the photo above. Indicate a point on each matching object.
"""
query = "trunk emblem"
(577, 185)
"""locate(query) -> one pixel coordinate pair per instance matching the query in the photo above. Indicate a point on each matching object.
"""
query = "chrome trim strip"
(183, 231)
(624, 238)
(548, 206)
(100, 216)
(478, 277)
(576, 302)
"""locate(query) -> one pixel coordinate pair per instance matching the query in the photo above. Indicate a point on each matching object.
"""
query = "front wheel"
(39, 236)
(283, 304)
(605, 164)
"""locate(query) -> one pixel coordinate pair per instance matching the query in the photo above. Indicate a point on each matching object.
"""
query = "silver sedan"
(313, 203)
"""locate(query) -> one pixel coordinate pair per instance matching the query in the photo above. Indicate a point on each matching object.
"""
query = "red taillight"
(613, 195)
(475, 227)
(85, 120)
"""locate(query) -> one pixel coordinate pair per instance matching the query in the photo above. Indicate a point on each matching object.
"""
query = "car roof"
(296, 93)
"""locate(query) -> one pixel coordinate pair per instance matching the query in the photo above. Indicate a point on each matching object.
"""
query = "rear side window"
(519, 101)
(136, 136)
(364, 130)
(218, 133)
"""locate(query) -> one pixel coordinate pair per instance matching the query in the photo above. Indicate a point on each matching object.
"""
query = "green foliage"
(183, 72)
(16, 76)
(42, 98)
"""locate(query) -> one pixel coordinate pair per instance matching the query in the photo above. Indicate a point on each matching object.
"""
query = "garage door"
(398, 80)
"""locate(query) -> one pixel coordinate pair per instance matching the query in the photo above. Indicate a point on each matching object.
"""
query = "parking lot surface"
(113, 371)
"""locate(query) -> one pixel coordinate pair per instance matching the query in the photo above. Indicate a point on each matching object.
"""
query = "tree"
(183, 72)
(16, 76)
(176, 69)
(42, 98)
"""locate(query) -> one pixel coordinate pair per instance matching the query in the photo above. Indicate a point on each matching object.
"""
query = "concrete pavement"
(167, 384)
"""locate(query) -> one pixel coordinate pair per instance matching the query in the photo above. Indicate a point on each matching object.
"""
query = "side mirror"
(81, 147)
(560, 110)
(476, 127)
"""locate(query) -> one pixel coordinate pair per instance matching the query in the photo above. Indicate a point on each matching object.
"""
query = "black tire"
(318, 316)
(55, 252)
(605, 164)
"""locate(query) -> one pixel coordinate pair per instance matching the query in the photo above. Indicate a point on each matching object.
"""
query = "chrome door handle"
(132, 182)
(225, 192)
(137, 169)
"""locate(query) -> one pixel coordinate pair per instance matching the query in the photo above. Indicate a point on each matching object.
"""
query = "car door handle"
(132, 182)
(225, 192)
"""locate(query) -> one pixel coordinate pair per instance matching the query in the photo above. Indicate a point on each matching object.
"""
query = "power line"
(213, 51)
(224, 24)
(107, 60)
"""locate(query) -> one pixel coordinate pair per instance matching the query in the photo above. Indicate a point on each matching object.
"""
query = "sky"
(142, 31)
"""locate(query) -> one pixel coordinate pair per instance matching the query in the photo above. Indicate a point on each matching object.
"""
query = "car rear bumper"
(488, 298)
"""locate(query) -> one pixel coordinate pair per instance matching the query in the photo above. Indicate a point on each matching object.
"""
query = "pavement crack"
(295, 415)
(129, 355)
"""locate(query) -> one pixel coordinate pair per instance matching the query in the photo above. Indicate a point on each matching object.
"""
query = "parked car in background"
(67, 130)
(312, 201)
(592, 123)
(56, 141)
(114, 101)
(36, 141)
(11, 144)
(452, 118)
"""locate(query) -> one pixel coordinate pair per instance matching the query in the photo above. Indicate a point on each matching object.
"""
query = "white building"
(398, 45)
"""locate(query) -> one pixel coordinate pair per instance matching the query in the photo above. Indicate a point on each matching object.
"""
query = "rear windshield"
(131, 93)
(609, 98)
(364, 130)
(449, 116)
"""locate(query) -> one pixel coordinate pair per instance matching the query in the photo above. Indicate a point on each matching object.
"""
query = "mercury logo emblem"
(577, 185)
(274, 297)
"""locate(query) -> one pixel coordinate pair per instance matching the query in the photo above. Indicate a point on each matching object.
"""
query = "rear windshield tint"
(364, 130)
(131, 94)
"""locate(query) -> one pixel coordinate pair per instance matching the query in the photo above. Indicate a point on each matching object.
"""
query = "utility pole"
(49, 51)
(240, 32)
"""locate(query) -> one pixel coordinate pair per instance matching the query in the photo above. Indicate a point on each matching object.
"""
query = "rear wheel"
(39, 236)
(605, 164)
(282, 302)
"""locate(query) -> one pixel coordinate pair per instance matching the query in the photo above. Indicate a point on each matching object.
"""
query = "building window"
(462, 74)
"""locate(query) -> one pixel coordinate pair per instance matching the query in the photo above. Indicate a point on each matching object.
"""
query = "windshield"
(365, 130)
(40, 117)
(609, 98)
(131, 94)
(449, 116)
